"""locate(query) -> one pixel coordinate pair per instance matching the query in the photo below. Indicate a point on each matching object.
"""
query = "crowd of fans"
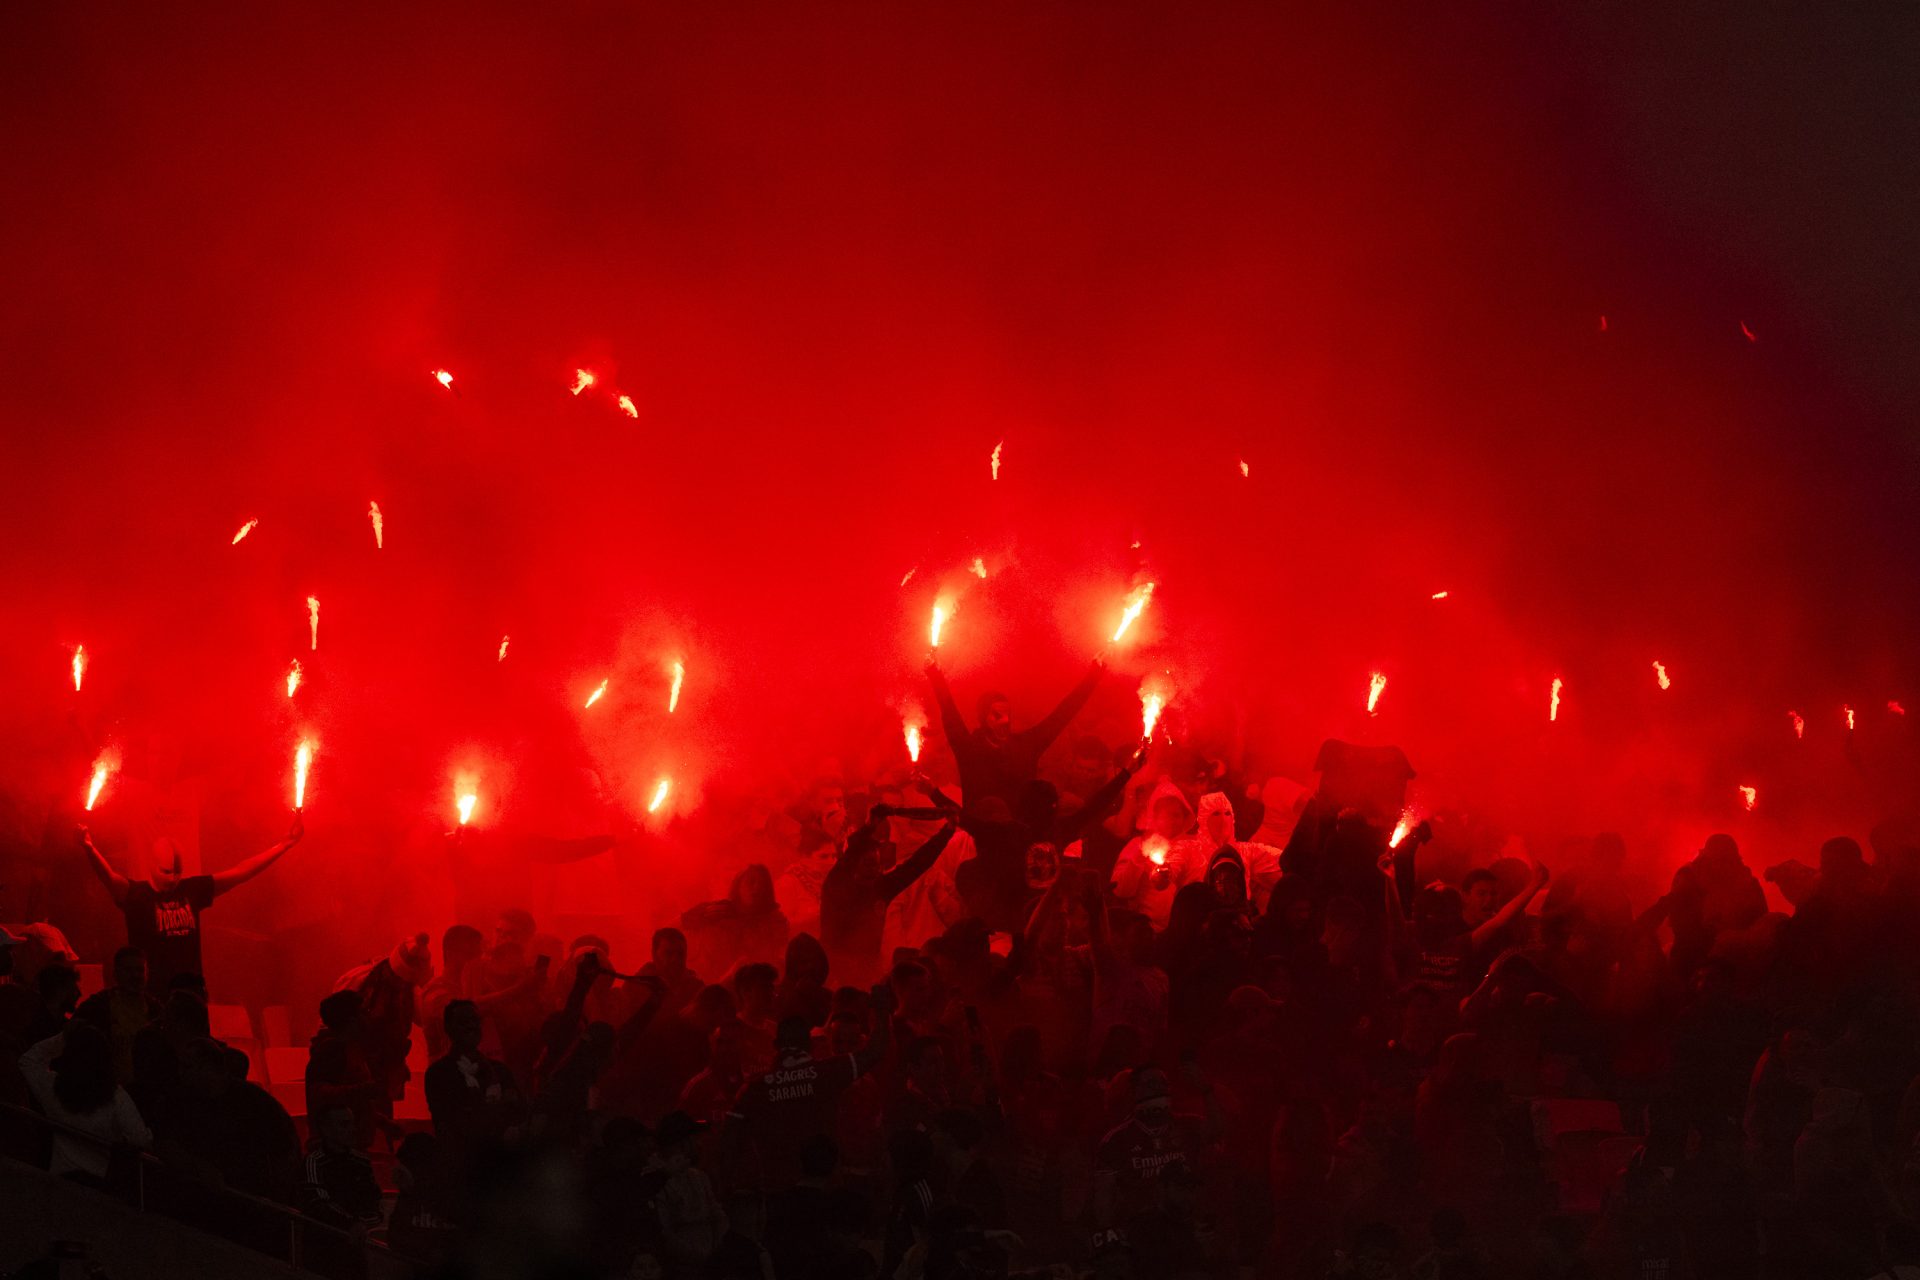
(1119, 1026)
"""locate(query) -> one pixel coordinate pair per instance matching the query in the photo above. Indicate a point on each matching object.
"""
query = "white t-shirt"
(116, 1124)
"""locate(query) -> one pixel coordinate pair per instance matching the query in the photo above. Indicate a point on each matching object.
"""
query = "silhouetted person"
(163, 911)
(995, 760)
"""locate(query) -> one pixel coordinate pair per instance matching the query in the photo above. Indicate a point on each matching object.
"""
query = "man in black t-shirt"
(163, 911)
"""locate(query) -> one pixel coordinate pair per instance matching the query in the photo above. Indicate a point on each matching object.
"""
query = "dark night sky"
(836, 252)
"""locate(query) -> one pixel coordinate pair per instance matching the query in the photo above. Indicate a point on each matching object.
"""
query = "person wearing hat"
(692, 1221)
(1134, 1157)
(163, 910)
(777, 1112)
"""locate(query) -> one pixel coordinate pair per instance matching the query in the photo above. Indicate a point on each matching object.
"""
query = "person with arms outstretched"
(993, 759)
(163, 910)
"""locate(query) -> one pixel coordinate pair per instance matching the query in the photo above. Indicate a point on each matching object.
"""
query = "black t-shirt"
(166, 926)
(783, 1108)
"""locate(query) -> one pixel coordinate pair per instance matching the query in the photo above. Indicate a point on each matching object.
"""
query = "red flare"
(1553, 702)
(79, 665)
(979, 567)
(1892, 707)
(1156, 847)
(503, 649)
(597, 694)
(941, 612)
(1849, 715)
(1155, 693)
(660, 795)
(465, 803)
(245, 529)
(1603, 324)
(581, 381)
(1136, 603)
(908, 575)
(1402, 828)
(104, 767)
(994, 462)
(302, 763)
(1660, 674)
(673, 694)
(444, 378)
(313, 622)
(379, 526)
(1375, 687)
(1747, 332)
(293, 677)
(1245, 471)
(1799, 725)
(1749, 797)
(627, 406)
(1441, 595)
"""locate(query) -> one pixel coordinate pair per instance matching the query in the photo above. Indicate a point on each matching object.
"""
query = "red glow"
(1660, 674)
(1402, 828)
(673, 694)
(941, 612)
(1156, 848)
(444, 378)
(1245, 471)
(1896, 709)
(379, 526)
(581, 381)
(313, 621)
(1848, 711)
(1375, 687)
(502, 657)
(660, 793)
(79, 665)
(245, 529)
(104, 766)
(596, 695)
(1441, 595)
(979, 567)
(464, 803)
(1799, 725)
(293, 677)
(1749, 797)
(1748, 333)
(1553, 700)
(993, 463)
(628, 407)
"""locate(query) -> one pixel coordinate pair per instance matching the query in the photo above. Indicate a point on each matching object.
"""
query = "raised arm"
(1040, 736)
(1506, 915)
(951, 721)
(117, 884)
(895, 882)
(235, 876)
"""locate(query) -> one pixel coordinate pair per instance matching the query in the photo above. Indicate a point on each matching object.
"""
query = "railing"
(240, 1207)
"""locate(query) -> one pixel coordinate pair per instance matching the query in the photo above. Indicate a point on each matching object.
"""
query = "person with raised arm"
(163, 911)
(993, 759)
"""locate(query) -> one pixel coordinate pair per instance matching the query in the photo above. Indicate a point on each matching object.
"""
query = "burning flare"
(1799, 725)
(503, 649)
(597, 694)
(673, 695)
(941, 613)
(994, 462)
(659, 795)
(1155, 847)
(313, 621)
(379, 526)
(104, 767)
(1375, 687)
(1849, 714)
(627, 406)
(1749, 797)
(302, 762)
(1155, 693)
(1553, 704)
(979, 567)
(444, 378)
(293, 677)
(465, 802)
(581, 381)
(1401, 828)
(1660, 674)
(1893, 708)
(79, 665)
(1136, 603)
(914, 742)
(1245, 471)
(1441, 595)
(245, 529)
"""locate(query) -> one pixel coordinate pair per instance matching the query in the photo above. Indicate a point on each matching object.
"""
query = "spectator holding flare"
(163, 911)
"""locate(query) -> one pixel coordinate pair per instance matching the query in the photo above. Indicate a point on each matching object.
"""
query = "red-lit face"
(998, 721)
(167, 865)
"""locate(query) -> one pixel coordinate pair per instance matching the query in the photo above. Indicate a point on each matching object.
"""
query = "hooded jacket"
(1185, 860)
(1259, 863)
